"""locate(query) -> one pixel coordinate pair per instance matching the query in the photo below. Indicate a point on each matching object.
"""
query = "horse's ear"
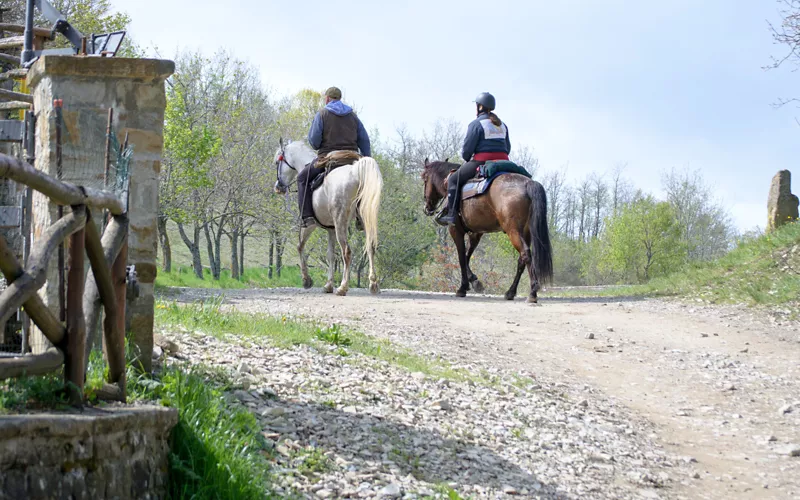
(426, 161)
(280, 141)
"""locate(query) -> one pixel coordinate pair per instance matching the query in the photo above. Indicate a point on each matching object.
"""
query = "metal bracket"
(10, 217)
(11, 130)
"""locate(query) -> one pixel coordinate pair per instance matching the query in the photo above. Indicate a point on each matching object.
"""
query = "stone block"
(782, 205)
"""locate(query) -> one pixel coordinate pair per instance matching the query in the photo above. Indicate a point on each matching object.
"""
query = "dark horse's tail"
(540, 234)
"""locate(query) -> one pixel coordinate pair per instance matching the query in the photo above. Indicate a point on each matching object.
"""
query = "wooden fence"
(105, 288)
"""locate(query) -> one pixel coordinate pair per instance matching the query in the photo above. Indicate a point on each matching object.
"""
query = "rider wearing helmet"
(335, 128)
(487, 139)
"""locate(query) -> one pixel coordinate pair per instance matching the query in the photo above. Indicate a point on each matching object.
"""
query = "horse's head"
(433, 185)
(285, 170)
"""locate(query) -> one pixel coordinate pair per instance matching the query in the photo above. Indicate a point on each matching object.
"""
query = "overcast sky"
(587, 84)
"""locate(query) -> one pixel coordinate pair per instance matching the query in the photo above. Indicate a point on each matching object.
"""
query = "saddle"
(333, 160)
(487, 173)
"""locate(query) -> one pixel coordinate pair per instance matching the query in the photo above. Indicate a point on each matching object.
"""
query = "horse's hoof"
(461, 293)
(341, 291)
(478, 286)
(308, 283)
(373, 289)
(533, 300)
(328, 288)
(510, 296)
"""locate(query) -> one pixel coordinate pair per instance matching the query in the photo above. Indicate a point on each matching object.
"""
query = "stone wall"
(116, 452)
(134, 88)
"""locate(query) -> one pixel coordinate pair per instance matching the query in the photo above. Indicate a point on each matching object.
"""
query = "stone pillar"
(89, 86)
(782, 204)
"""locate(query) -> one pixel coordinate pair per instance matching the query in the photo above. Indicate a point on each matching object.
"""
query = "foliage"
(256, 277)
(87, 16)
(763, 270)
(643, 241)
(216, 449)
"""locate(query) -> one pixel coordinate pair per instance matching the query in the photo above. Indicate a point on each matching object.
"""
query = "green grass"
(183, 276)
(209, 317)
(753, 273)
(216, 449)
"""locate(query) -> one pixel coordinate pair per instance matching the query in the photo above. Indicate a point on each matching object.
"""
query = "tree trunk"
(211, 259)
(241, 253)
(278, 255)
(166, 250)
(218, 244)
(271, 253)
(234, 237)
(194, 248)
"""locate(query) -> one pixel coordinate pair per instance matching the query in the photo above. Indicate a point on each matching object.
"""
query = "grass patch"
(761, 271)
(216, 450)
(256, 277)
(209, 317)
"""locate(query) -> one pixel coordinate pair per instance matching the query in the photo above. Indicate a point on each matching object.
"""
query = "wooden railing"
(105, 288)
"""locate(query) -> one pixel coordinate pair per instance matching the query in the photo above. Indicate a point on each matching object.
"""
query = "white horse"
(345, 190)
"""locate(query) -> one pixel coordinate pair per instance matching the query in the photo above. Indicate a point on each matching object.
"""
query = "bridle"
(282, 159)
(435, 209)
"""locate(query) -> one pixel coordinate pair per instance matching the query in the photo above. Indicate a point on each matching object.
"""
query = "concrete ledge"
(100, 67)
(115, 452)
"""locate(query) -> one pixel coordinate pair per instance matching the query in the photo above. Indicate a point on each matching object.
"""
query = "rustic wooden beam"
(39, 313)
(115, 334)
(18, 28)
(14, 105)
(102, 254)
(110, 392)
(76, 327)
(61, 193)
(14, 74)
(10, 59)
(10, 95)
(18, 292)
(37, 364)
(12, 42)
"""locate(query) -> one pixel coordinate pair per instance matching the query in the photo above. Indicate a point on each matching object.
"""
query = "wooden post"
(62, 301)
(115, 333)
(76, 327)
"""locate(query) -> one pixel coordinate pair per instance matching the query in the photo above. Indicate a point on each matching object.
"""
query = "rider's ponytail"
(495, 120)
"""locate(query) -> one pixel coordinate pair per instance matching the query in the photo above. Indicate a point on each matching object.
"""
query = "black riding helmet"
(486, 100)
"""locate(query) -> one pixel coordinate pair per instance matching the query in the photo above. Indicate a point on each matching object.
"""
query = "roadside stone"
(590, 336)
(390, 491)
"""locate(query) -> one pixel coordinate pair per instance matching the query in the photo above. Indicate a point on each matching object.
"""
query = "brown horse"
(513, 204)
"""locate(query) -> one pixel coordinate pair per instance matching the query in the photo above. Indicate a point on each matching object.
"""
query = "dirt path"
(720, 384)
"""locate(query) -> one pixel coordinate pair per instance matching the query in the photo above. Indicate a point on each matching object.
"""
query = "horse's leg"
(373, 278)
(305, 233)
(532, 297)
(474, 239)
(458, 238)
(328, 288)
(341, 235)
(517, 239)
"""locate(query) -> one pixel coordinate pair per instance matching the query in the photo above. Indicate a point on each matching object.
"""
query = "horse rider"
(487, 139)
(335, 128)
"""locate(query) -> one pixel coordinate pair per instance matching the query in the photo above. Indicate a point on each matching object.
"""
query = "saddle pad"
(478, 186)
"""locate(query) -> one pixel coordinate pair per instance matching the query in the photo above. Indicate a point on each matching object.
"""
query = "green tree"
(88, 16)
(643, 241)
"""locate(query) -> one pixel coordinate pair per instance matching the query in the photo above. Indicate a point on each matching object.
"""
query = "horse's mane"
(439, 168)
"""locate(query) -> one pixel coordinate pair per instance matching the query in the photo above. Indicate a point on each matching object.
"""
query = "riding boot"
(453, 200)
(304, 198)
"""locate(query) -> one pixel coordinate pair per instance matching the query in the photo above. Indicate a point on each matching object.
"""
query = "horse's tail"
(540, 234)
(370, 185)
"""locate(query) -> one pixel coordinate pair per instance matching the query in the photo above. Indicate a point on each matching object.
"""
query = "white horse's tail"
(370, 186)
